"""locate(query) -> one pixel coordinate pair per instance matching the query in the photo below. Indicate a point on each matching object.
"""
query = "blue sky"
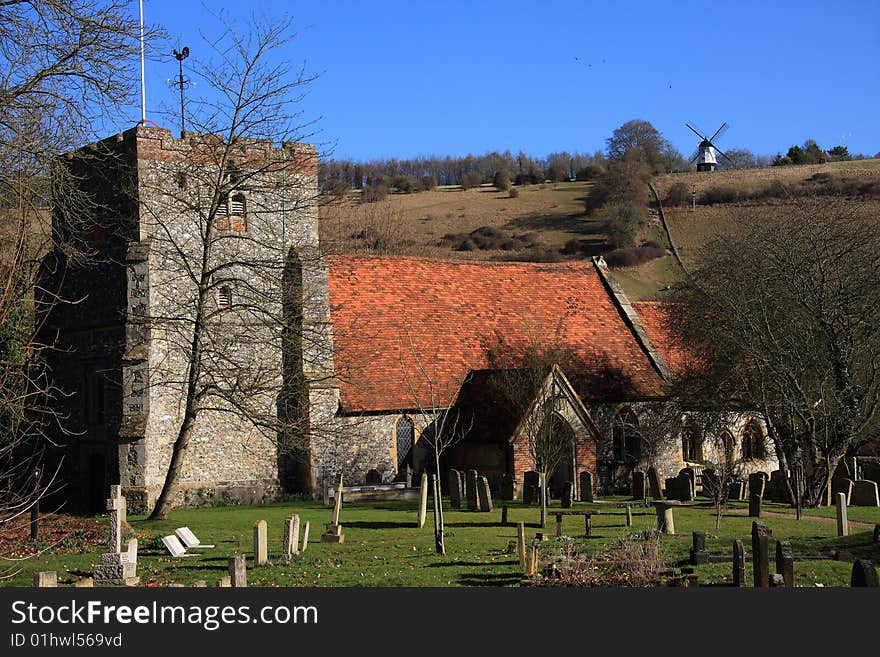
(401, 79)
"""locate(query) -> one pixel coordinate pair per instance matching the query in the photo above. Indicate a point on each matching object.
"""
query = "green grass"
(383, 546)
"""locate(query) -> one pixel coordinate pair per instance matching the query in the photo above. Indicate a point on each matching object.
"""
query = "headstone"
(484, 494)
(737, 490)
(333, 531)
(756, 493)
(84, 583)
(629, 516)
(46, 579)
(224, 582)
(842, 521)
(116, 494)
(687, 489)
(670, 485)
(189, 539)
(699, 553)
(114, 508)
(200, 584)
(865, 493)
(654, 483)
(305, 537)
(761, 554)
(290, 544)
(785, 562)
(567, 494)
(665, 519)
(639, 491)
(507, 487)
(530, 488)
(174, 546)
(455, 489)
(261, 555)
(521, 543)
(117, 568)
(863, 573)
(842, 485)
(423, 500)
(504, 515)
(586, 486)
(588, 524)
(131, 551)
(739, 563)
(238, 571)
(470, 490)
(776, 487)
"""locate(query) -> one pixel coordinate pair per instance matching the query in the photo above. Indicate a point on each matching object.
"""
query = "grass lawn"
(383, 547)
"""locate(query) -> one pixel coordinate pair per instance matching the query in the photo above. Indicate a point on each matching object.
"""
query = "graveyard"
(385, 546)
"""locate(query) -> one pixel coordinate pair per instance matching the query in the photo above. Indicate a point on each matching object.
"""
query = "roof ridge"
(580, 264)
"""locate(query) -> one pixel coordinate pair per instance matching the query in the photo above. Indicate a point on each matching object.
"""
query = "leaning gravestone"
(423, 500)
(739, 563)
(46, 579)
(842, 520)
(567, 494)
(757, 481)
(665, 519)
(654, 483)
(699, 554)
(842, 485)
(586, 486)
(454, 488)
(290, 545)
(470, 489)
(639, 491)
(333, 530)
(484, 494)
(305, 537)
(530, 488)
(785, 562)
(864, 573)
(865, 493)
(761, 554)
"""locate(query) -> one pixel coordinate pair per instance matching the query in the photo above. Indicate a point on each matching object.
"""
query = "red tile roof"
(656, 318)
(408, 330)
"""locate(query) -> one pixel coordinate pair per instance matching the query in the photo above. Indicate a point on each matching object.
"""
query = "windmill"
(705, 157)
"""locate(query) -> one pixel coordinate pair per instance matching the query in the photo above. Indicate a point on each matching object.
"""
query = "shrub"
(632, 257)
(501, 180)
(719, 194)
(488, 238)
(373, 193)
(678, 195)
(589, 172)
(622, 220)
(429, 183)
(513, 193)
(471, 179)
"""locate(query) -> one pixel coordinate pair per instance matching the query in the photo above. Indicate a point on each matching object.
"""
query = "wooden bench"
(588, 519)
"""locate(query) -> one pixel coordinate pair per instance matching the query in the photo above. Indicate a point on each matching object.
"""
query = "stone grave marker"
(521, 543)
(423, 500)
(174, 546)
(761, 554)
(863, 573)
(290, 544)
(504, 515)
(305, 537)
(114, 508)
(530, 488)
(699, 554)
(333, 532)
(739, 563)
(757, 481)
(567, 494)
(737, 490)
(261, 555)
(224, 582)
(785, 562)
(629, 515)
(46, 579)
(665, 519)
(776, 489)
(116, 494)
(639, 491)
(654, 483)
(238, 571)
(470, 490)
(84, 583)
(842, 485)
(842, 520)
(865, 493)
(455, 489)
(670, 485)
(586, 486)
(200, 584)
(484, 494)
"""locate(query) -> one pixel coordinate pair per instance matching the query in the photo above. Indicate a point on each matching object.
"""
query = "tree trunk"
(439, 542)
(542, 481)
(169, 488)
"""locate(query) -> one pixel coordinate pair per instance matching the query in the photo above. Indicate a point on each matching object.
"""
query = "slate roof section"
(408, 330)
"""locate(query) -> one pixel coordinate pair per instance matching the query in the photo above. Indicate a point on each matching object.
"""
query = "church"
(378, 358)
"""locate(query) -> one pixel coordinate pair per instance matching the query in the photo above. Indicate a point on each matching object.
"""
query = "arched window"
(692, 444)
(753, 446)
(405, 433)
(224, 297)
(626, 442)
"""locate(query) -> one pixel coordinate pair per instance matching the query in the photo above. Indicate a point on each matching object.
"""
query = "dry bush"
(634, 256)
(679, 194)
(489, 238)
(372, 229)
(630, 562)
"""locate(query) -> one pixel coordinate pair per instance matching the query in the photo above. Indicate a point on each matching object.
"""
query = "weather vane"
(181, 83)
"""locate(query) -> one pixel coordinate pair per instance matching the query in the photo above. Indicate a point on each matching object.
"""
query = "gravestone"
(588, 524)
(629, 516)
(692, 477)
(120, 567)
(586, 486)
(530, 488)
(863, 573)
(470, 490)
(521, 543)
(504, 515)
(305, 537)
(454, 479)
(785, 562)
(290, 544)
(261, 555)
(84, 583)
(46, 579)
(665, 519)
(776, 487)
(654, 484)
(224, 582)
(567, 494)
(238, 571)
(200, 584)
(423, 500)
(865, 493)
(114, 508)
(842, 520)
(333, 532)
(761, 554)
(506, 487)
(737, 490)
(116, 494)
(757, 482)
(842, 485)
(699, 554)
(484, 494)
(639, 491)
(671, 487)
(739, 563)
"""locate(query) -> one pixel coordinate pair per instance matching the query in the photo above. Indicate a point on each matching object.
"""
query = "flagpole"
(143, 76)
